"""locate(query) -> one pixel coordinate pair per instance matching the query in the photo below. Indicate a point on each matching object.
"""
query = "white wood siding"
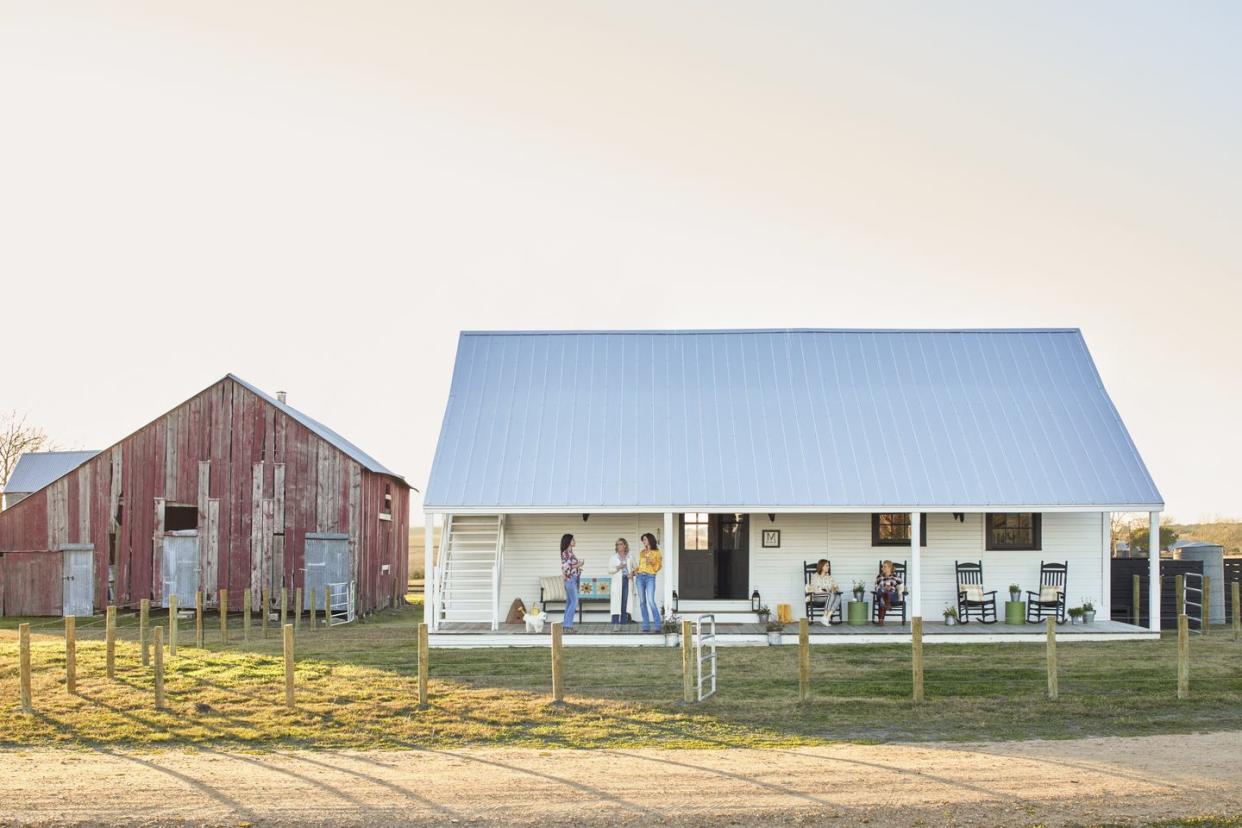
(532, 541)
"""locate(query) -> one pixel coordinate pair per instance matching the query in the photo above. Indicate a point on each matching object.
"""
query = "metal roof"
(36, 469)
(367, 461)
(773, 419)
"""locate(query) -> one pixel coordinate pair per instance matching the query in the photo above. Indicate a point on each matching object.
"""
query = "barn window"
(178, 518)
(386, 509)
(893, 529)
(1013, 530)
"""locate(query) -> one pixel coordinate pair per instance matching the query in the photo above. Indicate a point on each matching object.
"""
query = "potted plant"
(764, 613)
(859, 590)
(671, 626)
(1088, 611)
(1075, 613)
(1014, 592)
(775, 628)
(950, 615)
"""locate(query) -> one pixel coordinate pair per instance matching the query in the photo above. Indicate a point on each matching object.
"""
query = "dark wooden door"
(715, 556)
(731, 534)
(696, 565)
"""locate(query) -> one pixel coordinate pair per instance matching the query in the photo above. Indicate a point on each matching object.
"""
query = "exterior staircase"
(468, 573)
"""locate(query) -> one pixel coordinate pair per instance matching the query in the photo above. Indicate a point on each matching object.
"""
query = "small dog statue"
(534, 619)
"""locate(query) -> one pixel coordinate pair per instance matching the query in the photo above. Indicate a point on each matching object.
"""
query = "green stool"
(857, 613)
(1015, 612)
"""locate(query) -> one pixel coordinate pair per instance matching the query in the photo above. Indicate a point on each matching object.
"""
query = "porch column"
(429, 576)
(670, 561)
(915, 587)
(1153, 572)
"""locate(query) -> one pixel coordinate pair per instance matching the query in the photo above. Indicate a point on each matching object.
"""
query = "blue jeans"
(624, 617)
(647, 602)
(571, 603)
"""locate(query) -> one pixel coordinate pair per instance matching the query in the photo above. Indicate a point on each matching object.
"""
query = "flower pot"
(949, 620)
(672, 639)
(774, 637)
(1014, 596)
(1088, 617)
(764, 619)
(858, 596)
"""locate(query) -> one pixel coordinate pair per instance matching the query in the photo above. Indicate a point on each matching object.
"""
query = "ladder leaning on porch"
(468, 573)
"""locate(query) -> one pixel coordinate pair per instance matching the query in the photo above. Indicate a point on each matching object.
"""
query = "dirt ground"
(1082, 782)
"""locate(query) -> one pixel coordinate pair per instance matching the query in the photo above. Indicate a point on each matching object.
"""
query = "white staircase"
(726, 611)
(468, 573)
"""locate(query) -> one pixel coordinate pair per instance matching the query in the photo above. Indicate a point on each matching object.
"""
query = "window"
(386, 511)
(893, 529)
(178, 518)
(1012, 530)
(696, 532)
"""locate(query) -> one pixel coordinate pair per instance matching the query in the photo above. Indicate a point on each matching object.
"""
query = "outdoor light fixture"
(674, 600)
(755, 603)
(585, 515)
(960, 517)
(772, 516)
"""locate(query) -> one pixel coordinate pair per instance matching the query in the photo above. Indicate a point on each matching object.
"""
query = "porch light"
(585, 515)
(755, 601)
(674, 601)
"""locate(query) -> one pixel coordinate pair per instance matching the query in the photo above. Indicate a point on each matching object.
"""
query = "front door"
(78, 571)
(180, 567)
(714, 561)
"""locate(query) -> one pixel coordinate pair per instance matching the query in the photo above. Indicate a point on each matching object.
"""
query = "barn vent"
(281, 396)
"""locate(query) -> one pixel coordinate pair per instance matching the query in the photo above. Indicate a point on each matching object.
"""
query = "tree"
(1139, 538)
(16, 438)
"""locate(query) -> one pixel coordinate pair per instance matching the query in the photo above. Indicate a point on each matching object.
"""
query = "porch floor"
(601, 634)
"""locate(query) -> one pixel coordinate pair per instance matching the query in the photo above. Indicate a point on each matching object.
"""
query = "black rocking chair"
(817, 601)
(1050, 575)
(970, 594)
(897, 607)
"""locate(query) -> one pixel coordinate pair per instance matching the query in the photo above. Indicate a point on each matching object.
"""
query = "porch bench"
(590, 590)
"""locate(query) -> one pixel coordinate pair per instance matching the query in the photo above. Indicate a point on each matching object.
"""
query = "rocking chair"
(898, 606)
(970, 594)
(817, 601)
(1050, 600)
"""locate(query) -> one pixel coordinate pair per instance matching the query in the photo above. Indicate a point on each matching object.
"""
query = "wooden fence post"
(423, 665)
(288, 634)
(916, 645)
(1237, 610)
(297, 608)
(284, 606)
(1183, 657)
(266, 598)
(1206, 609)
(687, 670)
(1179, 594)
(246, 615)
(558, 685)
(1136, 582)
(198, 619)
(23, 645)
(327, 607)
(804, 660)
(311, 597)
(110, 642)
(159, 667)
(1052, 659)
(172, 625)
(71, 654)
(144, 617)
(224, 616)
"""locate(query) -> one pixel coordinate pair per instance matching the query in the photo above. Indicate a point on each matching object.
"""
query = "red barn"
(232, 489)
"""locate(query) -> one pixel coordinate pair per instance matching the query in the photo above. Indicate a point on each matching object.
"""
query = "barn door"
(327, 564)
(78, 571)
(181, 567)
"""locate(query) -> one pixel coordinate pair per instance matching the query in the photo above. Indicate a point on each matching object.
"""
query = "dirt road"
(1053, 783)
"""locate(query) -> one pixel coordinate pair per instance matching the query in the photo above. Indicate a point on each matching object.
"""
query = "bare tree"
(16, 438)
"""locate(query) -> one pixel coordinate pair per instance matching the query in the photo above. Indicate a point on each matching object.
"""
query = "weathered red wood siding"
(240, 446)
(32, 584)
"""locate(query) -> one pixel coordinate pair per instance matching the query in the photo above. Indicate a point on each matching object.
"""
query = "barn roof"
(36, 469)
(762, 420)
(358, 455)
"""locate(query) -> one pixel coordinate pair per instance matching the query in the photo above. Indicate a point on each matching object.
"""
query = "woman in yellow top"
(649, 563)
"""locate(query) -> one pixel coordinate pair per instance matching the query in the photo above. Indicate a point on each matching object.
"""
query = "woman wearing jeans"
(571, 569)
(649, 563)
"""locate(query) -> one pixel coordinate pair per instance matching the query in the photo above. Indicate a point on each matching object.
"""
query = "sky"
(318, 196)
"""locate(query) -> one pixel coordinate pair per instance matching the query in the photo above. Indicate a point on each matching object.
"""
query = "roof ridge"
(699, 331)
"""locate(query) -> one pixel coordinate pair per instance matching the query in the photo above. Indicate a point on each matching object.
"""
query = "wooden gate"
(327, 563)
(181, 567)
(1122, 589)
(78, 577)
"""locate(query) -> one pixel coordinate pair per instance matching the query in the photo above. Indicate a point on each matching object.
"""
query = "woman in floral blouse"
(887, 589)
(571, 569)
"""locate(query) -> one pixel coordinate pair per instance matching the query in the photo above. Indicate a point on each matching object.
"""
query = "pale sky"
(319, 196)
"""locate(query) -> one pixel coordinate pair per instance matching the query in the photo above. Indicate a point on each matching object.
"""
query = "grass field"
(356, 688)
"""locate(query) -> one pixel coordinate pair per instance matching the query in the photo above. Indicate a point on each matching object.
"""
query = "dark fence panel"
(1233, 572)
(1122, 588)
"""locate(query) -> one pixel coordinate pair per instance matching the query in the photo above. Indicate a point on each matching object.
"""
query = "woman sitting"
(822, 590)
(887, 590)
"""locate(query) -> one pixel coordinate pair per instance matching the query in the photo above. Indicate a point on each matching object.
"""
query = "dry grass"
(356, 688)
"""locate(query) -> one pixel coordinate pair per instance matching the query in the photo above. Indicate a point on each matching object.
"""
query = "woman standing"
(649, 563)
(620, 565)
(571, 569)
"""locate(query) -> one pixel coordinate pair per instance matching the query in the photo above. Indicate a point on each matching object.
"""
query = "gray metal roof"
(36, 469)
(365, 460)
(772, 419)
